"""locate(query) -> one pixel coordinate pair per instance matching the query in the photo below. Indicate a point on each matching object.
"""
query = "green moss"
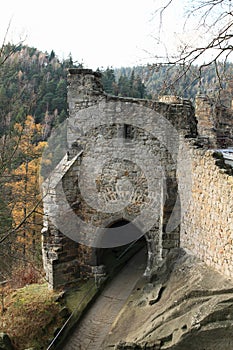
(74, 298)
(31, 316)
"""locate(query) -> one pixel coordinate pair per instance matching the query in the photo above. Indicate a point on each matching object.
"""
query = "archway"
(113, 256)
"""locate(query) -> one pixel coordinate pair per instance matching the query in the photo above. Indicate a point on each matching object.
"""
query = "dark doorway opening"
(114, 256)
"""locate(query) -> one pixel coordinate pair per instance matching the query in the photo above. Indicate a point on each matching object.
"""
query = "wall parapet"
(207, 226)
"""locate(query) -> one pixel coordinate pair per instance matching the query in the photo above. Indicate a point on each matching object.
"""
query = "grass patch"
(31, 316)
(33, 313)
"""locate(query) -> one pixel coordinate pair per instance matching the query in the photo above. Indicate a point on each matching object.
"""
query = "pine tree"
(108, 81)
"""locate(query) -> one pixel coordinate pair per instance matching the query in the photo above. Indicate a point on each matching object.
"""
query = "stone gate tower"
(120, 167)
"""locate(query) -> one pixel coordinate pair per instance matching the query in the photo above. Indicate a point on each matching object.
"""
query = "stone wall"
(156, 139)
(150, 131)
(207, 226)
(215, 122)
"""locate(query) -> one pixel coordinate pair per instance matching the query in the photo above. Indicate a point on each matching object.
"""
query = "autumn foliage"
(25, 202)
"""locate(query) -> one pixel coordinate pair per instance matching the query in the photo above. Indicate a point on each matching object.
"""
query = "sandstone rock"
(194, 310)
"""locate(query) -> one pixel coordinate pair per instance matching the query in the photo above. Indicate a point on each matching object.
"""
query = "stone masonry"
(192, 201)
(207, 226)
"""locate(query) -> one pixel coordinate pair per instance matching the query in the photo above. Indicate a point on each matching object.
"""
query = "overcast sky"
(98, 33)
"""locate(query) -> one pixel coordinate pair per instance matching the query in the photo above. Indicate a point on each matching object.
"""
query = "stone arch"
(104, 254)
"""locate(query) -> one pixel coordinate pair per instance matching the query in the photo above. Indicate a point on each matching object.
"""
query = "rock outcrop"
(187, 305)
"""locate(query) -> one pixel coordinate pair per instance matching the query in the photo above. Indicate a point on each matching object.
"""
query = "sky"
(97, 33)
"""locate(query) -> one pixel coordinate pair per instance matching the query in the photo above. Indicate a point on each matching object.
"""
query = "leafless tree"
(213, 20)
(5, 54)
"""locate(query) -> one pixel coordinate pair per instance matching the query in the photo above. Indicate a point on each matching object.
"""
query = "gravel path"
(96, 323)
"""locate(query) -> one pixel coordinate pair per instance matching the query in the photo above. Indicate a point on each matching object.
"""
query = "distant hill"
(34, 82)
(163, 80)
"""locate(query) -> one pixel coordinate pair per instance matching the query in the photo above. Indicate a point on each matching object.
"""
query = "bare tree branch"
(16, 228)
(213, 21)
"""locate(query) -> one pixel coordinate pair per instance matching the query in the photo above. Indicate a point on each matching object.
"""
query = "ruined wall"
(205, 114)
(207, 226)
(224, 126)
(137, 124)
(215, 122)
(206, 194)
(203, 187)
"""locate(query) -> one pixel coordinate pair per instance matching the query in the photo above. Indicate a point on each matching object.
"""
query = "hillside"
(183, 81)
(34, 83)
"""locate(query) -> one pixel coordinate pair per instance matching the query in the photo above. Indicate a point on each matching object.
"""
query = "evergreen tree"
(108, 81)
(51, 56)
(124, 86)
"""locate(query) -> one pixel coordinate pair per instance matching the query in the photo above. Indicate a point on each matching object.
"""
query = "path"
(96, 323)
